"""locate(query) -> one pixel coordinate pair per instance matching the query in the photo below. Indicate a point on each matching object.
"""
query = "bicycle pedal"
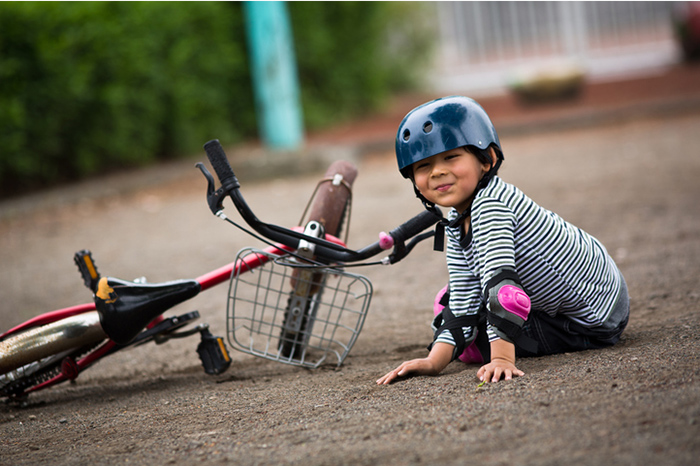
(213, 353)
(86, 265)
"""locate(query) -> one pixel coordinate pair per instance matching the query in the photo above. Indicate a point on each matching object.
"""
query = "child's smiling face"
(449, 178)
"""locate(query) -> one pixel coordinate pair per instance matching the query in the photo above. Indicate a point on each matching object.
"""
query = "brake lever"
(215, 197)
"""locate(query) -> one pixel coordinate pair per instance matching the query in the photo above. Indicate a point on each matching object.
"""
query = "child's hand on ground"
(497, 368)
(439, 357)
(423, 366)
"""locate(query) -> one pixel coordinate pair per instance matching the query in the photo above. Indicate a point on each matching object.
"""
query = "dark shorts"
(559, 334)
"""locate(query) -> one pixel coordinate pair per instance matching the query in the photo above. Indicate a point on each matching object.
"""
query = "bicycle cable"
(313, 264)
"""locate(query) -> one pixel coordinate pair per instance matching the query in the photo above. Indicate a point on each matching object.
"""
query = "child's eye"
(420, 165)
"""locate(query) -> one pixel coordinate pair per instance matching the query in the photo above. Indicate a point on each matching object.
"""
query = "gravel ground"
(634, 185)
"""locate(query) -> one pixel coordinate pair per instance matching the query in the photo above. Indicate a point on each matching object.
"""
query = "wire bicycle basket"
(285, 311)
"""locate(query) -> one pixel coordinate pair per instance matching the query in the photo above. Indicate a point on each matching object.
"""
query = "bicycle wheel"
(35, 355)
(33, 358)
(330, 209)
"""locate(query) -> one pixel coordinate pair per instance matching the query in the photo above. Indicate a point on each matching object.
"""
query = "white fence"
(484, 44)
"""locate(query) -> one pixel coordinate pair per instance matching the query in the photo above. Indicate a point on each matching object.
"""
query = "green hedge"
(89, 87)
(86, 87)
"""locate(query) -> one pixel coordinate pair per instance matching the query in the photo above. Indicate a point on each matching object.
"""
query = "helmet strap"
(487, 177)
(483, 182)
(439, 238)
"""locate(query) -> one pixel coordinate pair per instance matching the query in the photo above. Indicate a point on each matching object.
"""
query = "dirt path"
(633, 185)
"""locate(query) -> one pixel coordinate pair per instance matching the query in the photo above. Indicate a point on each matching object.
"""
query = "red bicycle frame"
(205, 281)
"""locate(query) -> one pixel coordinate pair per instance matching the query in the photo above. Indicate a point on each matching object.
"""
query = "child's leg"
(556, 334)
(559, 334)
(471, 353)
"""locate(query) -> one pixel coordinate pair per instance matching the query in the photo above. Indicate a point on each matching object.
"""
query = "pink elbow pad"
(514, 300)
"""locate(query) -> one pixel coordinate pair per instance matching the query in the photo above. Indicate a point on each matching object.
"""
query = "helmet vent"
(406, 135)
(427, 127)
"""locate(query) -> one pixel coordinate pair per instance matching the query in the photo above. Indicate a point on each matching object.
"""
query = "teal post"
(273, 68)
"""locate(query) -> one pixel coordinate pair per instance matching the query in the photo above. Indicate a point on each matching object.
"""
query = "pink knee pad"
(471, 354)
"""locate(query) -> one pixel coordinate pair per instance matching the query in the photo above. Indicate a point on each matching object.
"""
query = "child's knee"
(471, 353)
(440, 297)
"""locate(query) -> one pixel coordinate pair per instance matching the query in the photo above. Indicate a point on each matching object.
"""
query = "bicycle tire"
(28, 377)
(56, 337)
(32, 372)
(28, 358)
(330, 209)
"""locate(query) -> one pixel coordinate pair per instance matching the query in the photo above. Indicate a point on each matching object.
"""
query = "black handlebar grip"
(414, 226)
(218, 160)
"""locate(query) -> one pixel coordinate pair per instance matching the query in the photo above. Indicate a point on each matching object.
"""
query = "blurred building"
(485, 46)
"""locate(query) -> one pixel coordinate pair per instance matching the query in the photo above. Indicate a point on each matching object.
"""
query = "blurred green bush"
(88, 87)
(351, 56)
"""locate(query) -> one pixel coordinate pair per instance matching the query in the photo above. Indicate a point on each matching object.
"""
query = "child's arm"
(502, 363)
(438, 358)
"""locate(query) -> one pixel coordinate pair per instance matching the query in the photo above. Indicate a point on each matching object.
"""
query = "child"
(522, 281)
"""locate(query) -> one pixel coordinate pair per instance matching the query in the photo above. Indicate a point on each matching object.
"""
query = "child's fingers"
(493, 373)
(388, 378)
(507, 374)
(485, 373)
(403, 370)
(497, 373)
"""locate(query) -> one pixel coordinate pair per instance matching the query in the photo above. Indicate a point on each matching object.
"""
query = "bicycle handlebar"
(324, 250)
(219, 161)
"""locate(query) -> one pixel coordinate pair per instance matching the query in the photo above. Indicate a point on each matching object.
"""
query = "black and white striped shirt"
(564, 269)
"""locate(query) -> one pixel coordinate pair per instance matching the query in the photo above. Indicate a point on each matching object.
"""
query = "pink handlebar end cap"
(385, 241)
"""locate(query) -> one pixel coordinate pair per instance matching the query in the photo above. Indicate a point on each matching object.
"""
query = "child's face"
(449, 178)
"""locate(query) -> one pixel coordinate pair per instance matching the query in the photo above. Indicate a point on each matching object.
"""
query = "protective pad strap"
(446, 320)
(502, 275)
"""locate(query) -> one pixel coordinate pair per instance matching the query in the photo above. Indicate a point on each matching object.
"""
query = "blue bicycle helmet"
(440, 125)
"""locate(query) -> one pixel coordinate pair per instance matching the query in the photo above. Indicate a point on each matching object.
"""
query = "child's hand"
(497, 368)
(414, 367)
(439, 357)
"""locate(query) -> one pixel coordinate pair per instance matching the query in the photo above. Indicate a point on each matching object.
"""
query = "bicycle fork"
(303, 302)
